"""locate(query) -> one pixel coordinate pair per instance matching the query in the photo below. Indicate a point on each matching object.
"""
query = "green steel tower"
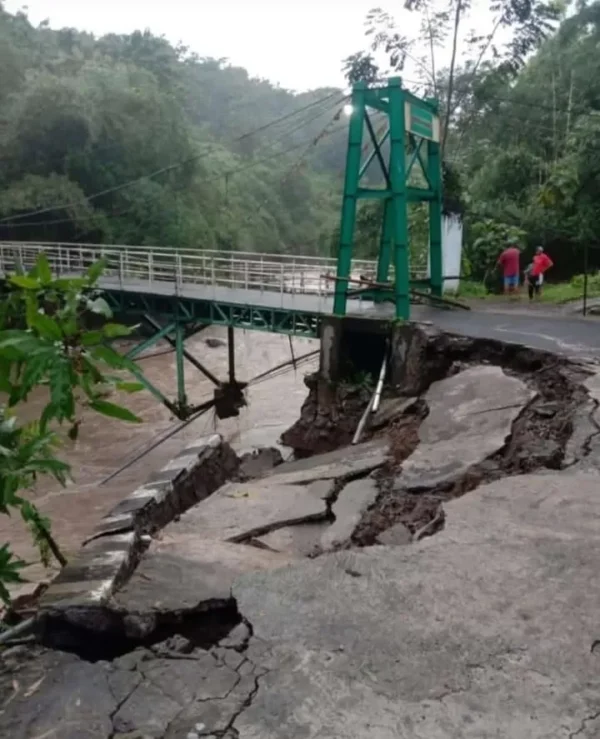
(413, 129)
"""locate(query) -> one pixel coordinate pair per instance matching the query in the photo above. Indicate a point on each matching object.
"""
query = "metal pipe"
(374, 399)
(379, 388)
(363, 420)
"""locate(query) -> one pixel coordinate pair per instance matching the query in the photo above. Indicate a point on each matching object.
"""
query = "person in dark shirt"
(509, 261)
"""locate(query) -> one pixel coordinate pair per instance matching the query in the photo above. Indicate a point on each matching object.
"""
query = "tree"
(127, 138)
(45, 342)
(529, 23)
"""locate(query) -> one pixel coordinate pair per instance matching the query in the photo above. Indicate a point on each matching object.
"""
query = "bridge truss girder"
(176, 318)
(412, 129)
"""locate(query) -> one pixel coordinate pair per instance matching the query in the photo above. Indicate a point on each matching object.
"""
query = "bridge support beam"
(190, 357)
(229, 396)
(175, 334)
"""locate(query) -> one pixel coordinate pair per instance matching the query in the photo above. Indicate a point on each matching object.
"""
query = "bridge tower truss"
(408, 155)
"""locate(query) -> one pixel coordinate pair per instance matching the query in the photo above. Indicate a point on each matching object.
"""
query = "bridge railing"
(178, 268)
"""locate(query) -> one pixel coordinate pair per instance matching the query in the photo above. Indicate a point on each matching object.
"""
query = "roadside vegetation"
(46, 344)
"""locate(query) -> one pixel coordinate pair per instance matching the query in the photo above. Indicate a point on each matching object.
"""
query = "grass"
(558, 292)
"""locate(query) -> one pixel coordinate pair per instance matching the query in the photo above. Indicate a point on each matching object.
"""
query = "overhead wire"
(250, 165)
(168, 168)
(276, 371)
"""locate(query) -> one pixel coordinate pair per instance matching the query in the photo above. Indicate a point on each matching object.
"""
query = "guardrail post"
(121, 269)
(179, 274)
(246, 274)
(150, 267)
(282, 279)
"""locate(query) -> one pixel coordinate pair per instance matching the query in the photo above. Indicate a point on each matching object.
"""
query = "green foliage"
(81, 116)
(487, 240)
(44, 343)
(528, 148)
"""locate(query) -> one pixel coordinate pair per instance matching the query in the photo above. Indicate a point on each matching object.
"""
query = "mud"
(538, 439)
(328, 418)
(539, 436)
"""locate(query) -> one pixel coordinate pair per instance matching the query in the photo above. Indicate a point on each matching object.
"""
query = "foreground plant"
(45, 342)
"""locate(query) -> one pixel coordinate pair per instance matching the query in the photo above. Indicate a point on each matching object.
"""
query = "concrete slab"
(352, 502)
(470, 418)
(182, 571)
(389, 410)
(139, 696)
(481, 631)
(301, 540)
(342, 463)
(242, 510)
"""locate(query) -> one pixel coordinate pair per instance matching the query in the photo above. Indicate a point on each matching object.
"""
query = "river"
(105, 445)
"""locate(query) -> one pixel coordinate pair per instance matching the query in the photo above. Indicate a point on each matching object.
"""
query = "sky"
(299, 44)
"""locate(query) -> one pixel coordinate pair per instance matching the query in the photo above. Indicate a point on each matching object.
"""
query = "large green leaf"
(114, 411)
(44, 272)
(27, 283)
(114, 330)
(47, 327)
(10, 567)
(129, 387)
(95, 271)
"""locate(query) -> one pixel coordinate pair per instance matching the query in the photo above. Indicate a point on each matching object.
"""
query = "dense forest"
(128, 139)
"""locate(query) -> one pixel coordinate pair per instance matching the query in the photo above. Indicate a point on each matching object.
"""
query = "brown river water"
(104, 445)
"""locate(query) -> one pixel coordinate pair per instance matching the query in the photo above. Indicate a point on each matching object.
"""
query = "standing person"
(541, 263)
(509, 261)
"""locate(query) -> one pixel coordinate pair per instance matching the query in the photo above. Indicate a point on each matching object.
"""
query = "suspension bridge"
(178, 292)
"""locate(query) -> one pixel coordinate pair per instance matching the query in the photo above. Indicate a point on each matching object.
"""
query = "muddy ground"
(538, 439)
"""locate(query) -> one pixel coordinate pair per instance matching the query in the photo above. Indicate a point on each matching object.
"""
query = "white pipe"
(375, 398)
(363, 420)
(379, 388)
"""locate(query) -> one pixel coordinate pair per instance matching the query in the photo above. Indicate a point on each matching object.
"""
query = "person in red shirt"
(535, 276)
(509, 261)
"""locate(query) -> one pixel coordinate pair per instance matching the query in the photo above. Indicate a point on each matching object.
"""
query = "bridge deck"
(278, 293)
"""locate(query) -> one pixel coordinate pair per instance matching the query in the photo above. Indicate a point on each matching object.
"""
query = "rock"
(301, 540)
(213, 343)
(546, 410)
(259, 462)
(174, 644)
(186, 570)
(539, 452)
(469, 419)
(396, 536)
(242, 510)
(352, 502)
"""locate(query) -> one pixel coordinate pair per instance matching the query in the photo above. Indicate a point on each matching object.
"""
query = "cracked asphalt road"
(574, 337)
(171, 690)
